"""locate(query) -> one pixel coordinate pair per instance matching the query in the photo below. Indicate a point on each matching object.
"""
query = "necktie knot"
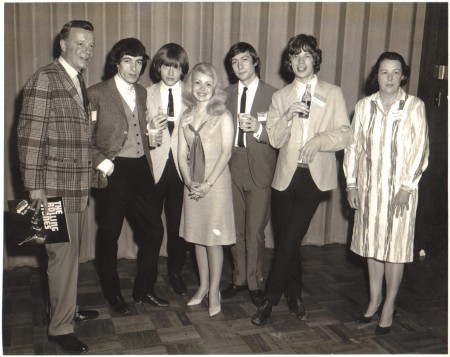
(131, 90)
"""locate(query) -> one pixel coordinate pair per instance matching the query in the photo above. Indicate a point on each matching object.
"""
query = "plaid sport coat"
(54, 135)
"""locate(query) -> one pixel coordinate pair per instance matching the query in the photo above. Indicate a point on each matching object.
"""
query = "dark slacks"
(169, 193)
(130, 193)
(292, 211)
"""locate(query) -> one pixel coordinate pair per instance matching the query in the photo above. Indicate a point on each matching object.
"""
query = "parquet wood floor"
(335, 293)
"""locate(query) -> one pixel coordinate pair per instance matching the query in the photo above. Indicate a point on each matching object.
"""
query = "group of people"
(271, 151)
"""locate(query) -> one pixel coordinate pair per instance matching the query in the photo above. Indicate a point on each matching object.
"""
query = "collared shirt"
(73, 73)
(300, 87)
(126, 90)
(251, 92)
(176, 93)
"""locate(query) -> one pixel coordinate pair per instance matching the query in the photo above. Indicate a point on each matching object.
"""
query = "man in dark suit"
(252, 167)
(121, 155)
(54, 136)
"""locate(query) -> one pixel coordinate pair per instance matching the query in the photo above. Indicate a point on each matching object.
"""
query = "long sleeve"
(352, 152)
(416, 158)
(32, 131)
(278, 129)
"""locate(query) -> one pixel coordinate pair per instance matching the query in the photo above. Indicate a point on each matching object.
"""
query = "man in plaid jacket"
(55, 160)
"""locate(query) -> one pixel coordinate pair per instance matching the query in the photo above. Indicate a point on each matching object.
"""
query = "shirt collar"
(176, 88)
(69, 69)
(301, 86)
(251, 87)
(121, 84)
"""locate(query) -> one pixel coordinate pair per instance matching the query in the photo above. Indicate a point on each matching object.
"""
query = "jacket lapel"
(68, 84)
(117, 98)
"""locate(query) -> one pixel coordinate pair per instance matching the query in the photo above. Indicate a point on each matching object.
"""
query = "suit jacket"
(161, 154)
(111, 124)
(261, 156)
(328, 118)
(54, 135)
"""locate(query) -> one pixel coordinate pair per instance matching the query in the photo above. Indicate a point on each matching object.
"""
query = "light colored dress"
(210, 220)
(389, 151)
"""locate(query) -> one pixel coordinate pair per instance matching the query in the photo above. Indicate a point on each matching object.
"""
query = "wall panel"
(351, 35)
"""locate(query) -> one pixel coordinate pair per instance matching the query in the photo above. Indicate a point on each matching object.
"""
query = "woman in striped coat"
(383, 166)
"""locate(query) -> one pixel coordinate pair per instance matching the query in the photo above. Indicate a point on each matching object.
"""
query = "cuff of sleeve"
(407, 189)
(105, 166)
(257, 135)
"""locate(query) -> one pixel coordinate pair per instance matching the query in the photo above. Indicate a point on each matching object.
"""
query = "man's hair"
(306, 43)
(172, 55)
(242, 47)
(216, 105)
(82, 24)
(130, 47)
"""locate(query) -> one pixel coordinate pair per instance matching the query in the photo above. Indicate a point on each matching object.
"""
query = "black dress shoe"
(262, 315)
(232, 290)
(118, 305)
(68, 343)
(84, 315)
(257, 297)
(151, 299)
(178, 284)
(296, 308)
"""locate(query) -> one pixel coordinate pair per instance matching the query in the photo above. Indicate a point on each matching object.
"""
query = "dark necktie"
(242, 110)
(83, 92)
(170, 111)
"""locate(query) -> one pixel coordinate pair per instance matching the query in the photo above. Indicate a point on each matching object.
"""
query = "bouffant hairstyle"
(373, 77)
(216, 105)
(306, 43)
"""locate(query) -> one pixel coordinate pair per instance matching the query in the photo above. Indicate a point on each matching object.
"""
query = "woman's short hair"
(82, 24)
(242, 47)
(216, 105)
(373, 77)
(127, 47)
(306, 43)
(172, 55)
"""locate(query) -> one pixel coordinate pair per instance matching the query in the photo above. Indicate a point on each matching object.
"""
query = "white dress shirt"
(176, 93)
(251, 92)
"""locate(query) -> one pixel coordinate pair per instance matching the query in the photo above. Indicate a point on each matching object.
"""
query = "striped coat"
(389, 151)
(54, 138)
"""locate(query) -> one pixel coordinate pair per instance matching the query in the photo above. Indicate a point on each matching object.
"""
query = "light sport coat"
(54, 136)
(160, 154)
(261, 156)
(328, 119)
(111, 124)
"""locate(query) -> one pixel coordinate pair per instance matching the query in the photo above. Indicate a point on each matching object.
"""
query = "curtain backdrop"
(351, 36)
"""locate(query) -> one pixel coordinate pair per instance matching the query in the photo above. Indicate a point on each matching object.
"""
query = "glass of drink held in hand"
(153, 135)
(243, 121)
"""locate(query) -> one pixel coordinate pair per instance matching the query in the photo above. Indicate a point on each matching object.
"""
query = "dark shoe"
(257, 297)
(178, 284)
(232, 290)
(366, 319)
(296, 308)
(118, 305)
(84, 315)
(68, 343)
(382, 330)
(262, 314)
(151, 299)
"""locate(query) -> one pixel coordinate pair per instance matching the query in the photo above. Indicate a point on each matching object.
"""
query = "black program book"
(30, 227)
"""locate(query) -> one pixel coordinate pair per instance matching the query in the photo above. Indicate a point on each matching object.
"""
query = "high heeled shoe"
(384, 330)
(197, 301)
(214, 310)
(366, 319)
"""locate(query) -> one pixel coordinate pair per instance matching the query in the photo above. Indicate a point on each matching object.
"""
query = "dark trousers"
(130, 193)
(169, 193)
(292, 211)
